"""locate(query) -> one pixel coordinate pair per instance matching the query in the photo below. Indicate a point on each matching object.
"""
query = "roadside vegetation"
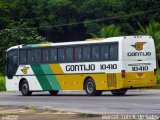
(2, 83)
(158, 79)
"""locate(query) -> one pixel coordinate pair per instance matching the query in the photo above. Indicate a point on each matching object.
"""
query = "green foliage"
(47, 14)
(153, 29)
(158, 79)
(6, 9)
(109, 31)
(2, 83)
(92, 27)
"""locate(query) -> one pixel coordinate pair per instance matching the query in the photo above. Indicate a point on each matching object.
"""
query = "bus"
(113, 64)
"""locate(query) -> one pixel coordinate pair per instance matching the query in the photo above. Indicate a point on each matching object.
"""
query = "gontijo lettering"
(139, 54)
(82, 67)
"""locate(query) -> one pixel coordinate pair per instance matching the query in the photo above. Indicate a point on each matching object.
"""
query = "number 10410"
(140, 68)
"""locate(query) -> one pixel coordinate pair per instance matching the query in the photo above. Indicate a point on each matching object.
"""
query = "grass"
(2, 83)
(158, 79)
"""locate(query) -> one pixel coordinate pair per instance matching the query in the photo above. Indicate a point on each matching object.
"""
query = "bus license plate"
(139, 74)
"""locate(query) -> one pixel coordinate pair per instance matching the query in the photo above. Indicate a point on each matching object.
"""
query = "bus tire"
(53, 92)
(24, 88)
(120, 92)
(90, 88)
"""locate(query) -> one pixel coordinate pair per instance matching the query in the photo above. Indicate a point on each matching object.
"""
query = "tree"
(16, 35)
(153, 29)
(6, 9)
(110, 31)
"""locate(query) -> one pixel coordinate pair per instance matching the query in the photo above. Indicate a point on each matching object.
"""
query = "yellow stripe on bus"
(103, 81)
(45, 44)
(56, 69)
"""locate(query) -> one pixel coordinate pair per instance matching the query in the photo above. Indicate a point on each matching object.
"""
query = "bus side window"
(15, 62)
(53, 55)
(78, 53)
(86, 52)
(113, 51)
(23, 56)
(105, 52)
(69, 54)
(95, 52)
(30, 56)
(37, 55)
(45, 55)
(61, 56)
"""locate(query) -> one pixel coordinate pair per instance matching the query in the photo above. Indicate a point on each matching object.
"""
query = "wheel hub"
(90, 87)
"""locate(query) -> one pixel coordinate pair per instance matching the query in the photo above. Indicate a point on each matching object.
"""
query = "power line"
(104, 19)
(94, 20)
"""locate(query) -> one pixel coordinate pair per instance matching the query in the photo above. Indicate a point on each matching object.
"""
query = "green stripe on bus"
(47, 82)
(31, 45)
(51, 78)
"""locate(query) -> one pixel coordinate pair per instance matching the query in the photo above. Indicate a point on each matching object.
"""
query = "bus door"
(11, 65)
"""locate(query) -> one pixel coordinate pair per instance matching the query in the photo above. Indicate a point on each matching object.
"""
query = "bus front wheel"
(119, 92)
(24, 88)
(90, 88)
(53, 92)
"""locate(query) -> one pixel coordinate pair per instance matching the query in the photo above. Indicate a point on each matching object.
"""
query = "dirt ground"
(31, 113)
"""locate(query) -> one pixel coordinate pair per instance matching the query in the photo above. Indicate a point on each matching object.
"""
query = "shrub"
(2, 83)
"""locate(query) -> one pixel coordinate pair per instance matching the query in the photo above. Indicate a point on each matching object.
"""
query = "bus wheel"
(53, 92)
(119, 92)
(90, 88)
(24, 88)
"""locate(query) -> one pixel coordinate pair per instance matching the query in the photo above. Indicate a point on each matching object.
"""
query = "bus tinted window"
(60, 54)
(30, 56)
(53, 55)
(95, 52)
(12, 53)
(86, 52)
(78, 53)
(23, 56)
(105, 52)
(69, 54)
(37, 55)
(113, 51)
(45, 55)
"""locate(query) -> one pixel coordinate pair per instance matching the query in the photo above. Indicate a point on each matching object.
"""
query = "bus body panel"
(12, 84)
(139, 62)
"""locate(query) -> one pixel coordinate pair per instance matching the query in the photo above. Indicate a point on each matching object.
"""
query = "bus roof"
(93, 40)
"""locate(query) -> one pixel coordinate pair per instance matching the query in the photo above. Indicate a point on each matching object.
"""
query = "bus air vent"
(111, 80)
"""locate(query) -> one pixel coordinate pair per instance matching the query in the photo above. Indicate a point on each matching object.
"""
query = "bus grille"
(111, 80)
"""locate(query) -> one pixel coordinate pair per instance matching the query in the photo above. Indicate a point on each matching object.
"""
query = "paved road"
(134, 102)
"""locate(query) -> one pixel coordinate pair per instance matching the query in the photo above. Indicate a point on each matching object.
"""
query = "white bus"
(110, 64)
